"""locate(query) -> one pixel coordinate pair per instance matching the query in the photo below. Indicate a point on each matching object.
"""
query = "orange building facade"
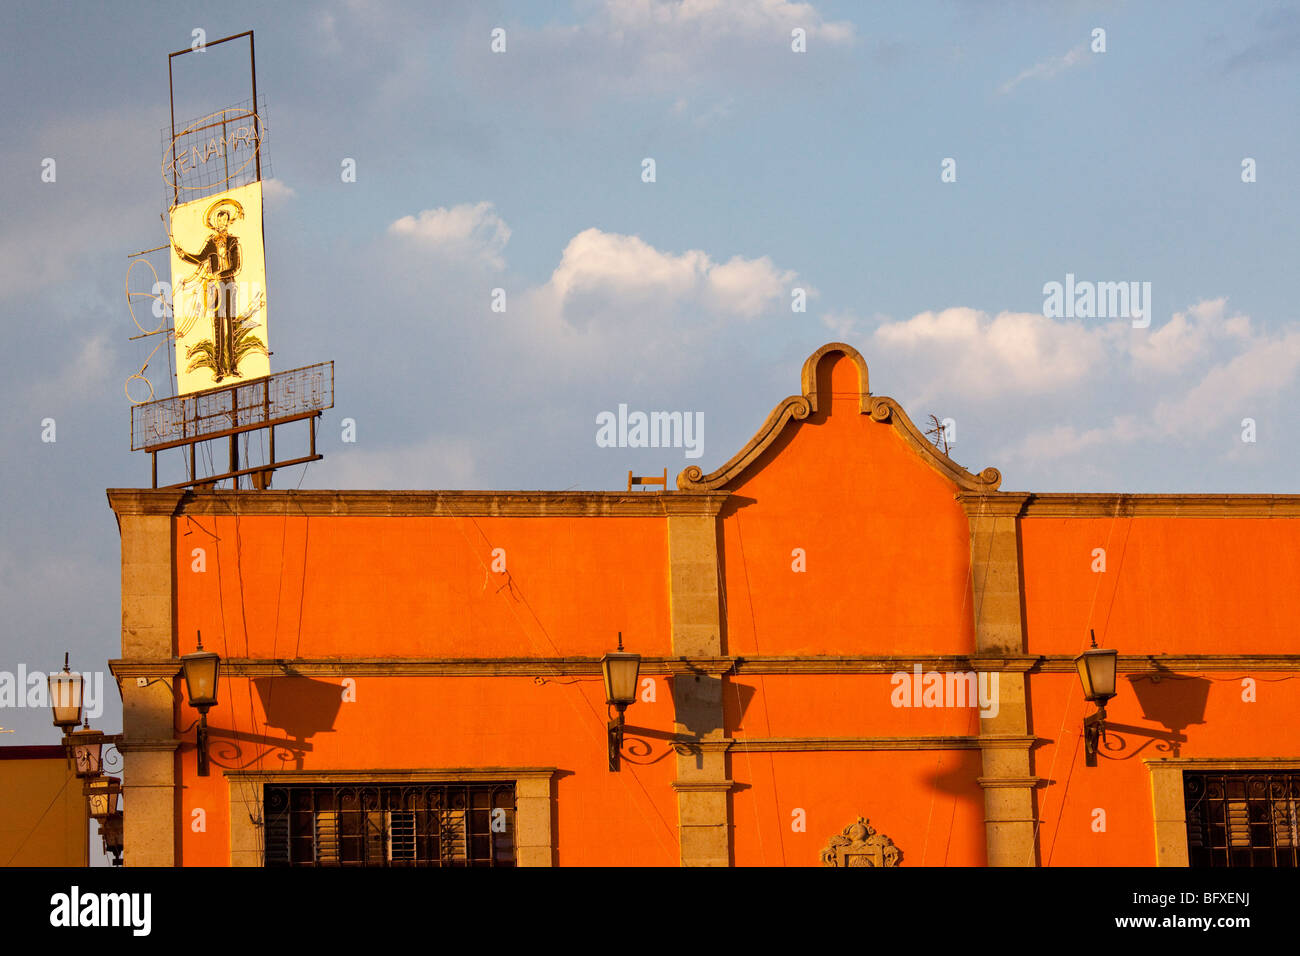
(854, 651)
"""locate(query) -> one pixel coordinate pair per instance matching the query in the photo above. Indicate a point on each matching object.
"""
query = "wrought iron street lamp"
(620, 670)
(110, 831)
(1096, 667)
(202, 671)
(102, 795)
(87, 750)
(65, 697)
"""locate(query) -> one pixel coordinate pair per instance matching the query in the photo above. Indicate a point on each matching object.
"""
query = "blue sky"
(775, 170)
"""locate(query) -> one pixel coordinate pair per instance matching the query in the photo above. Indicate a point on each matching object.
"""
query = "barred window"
(1241, 818)
(454, 824)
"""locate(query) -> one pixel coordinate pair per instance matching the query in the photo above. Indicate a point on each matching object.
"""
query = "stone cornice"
(801, 744)
(993, 503)
(572, 666)
(544, 667)
(387, 776)
(162, 501)
(1016, 783)
(1222, 763)
(472, 504)
(1176, 664)
(144, 501)
(1131, 505)
(143, 744)
(703, 786)
(800, 407)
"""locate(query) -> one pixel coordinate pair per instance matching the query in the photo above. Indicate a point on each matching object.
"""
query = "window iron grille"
(457, 824)
(1242, 818)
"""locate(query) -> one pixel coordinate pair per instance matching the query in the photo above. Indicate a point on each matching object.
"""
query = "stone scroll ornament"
(860, 845)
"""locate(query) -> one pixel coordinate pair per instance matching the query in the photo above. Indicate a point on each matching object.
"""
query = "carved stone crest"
(860, 845)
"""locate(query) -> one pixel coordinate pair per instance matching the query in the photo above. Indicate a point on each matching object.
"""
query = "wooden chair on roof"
(660, 480)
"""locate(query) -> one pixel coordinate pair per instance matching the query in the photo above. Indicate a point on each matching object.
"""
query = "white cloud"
(670, 20)
(86, 377)
(1226, 371)
(468, 232)
(437, 462)
(716, 113)
(1048, 68)
(1067, 441)
(1021, 352)
(276, 191)
(1229, 390)
(747, 287)
(625, 266)
(1188, 336)
(613, 307)
(843, 324)
(327, 28)
(630, 270)
(52, 231)
(1244, 386)
(670, 48)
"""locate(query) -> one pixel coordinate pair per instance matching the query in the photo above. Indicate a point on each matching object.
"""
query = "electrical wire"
(740, 704)
(966, 594)
(39, 820)
(767, 716)
(1065, 711)
(259, 727)
(513, 590)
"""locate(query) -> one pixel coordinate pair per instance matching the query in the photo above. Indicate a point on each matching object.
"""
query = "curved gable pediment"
(815, 398)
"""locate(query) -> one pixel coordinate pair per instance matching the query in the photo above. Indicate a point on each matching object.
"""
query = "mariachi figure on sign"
(218, 264)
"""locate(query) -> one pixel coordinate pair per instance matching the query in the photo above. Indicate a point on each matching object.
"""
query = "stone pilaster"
(702, 784)
(1169, 812)
(149, 739)
(1005, 738)
(533, 839)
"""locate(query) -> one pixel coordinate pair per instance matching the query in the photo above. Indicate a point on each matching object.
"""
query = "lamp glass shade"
(620, 672)
(65, 698)
(101, 795)
(1096, 668)
(87, 752)
(202, 671)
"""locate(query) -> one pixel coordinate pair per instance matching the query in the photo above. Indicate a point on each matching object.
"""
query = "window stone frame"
(1169, 804)
(534, 803)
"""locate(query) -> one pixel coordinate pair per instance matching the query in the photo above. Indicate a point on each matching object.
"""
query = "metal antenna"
(940, 434)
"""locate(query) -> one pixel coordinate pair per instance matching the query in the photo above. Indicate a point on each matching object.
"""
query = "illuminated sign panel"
(218, 268)
(220, 150)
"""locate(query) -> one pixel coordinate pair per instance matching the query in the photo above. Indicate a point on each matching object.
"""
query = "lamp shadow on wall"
(696, 699)
(299, 706)
(1175, 701)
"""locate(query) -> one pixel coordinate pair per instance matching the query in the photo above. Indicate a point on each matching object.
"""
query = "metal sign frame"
(171, 98)
(186, 421)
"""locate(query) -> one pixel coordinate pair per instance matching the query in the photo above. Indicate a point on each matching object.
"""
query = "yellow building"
(43, 818)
